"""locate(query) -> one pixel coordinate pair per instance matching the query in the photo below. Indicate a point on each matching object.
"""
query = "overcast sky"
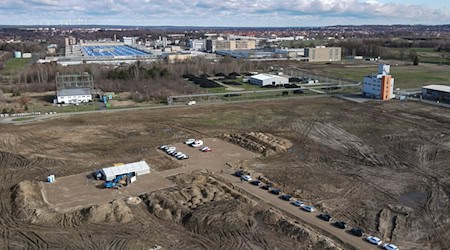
(224, 12)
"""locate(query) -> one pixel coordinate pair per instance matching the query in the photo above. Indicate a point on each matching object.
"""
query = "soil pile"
(30, 206)
(263, 143)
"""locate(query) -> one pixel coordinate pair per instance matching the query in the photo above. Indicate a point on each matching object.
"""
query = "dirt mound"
(221, 217)
(263, 143)
(289, 227)
(116, 211)
(174, 205)
(30, 206)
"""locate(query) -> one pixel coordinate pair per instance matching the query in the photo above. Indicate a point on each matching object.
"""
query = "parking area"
(215, 160)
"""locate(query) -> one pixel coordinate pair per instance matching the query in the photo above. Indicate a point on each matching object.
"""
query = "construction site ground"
(78, 191)
(382, 166)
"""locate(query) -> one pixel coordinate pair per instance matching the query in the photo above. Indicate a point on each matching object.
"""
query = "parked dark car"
(356, 231)
(255, 182)
(298, 91)
(340, 224)
(239, 173)
(267, 186)
(231, 95)
(325, 217)
(275, 191)
(286, 197)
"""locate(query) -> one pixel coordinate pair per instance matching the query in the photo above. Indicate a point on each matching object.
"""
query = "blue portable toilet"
(51, 178)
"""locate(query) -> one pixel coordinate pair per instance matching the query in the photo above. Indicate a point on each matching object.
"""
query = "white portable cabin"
(139, 168)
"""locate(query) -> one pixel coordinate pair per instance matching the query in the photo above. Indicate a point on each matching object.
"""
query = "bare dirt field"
(381, 166)
(81, 190)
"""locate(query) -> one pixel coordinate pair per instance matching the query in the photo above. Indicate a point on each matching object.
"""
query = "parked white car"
(182, 157)
(389, 246)
(190, 103)
(246, 177)
(189, 141)
(197, 144)
(374, 240)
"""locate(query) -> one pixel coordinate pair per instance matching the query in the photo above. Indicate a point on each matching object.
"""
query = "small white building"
(138, 168)
(268, 80)
(379, 86)
(73, 96)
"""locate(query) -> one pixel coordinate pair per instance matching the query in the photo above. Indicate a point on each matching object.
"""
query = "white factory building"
(380, 85)
(268, 80)
(73, 96)
(197, 44)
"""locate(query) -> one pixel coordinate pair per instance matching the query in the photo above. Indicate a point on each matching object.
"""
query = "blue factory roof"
(111, 51)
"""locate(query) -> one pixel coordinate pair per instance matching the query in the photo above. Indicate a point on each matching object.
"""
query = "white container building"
(138, 168)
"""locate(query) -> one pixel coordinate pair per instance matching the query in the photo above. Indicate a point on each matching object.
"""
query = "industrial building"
(380, 85)
(264, 80)
(73, 96)
(323, 54)
(138, 168)
(197, 44)
(437, 93)
(215, 45)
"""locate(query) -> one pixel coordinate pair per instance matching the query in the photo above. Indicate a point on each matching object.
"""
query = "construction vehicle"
(120, 180)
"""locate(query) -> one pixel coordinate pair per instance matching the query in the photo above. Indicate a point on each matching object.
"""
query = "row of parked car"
(323, 216)
(171, 150)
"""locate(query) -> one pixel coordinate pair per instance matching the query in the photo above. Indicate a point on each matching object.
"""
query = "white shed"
(268, 80)
(139, 168)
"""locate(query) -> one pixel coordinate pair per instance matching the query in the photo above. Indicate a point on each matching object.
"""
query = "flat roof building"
(139, 168)
(323, 54)
(73, 95)
(437, 93)
(379, 86)
(268, 80)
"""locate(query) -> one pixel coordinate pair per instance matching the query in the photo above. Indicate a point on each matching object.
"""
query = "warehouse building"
(380, 85)
(437, 93)
(137, 168)
(264, 80)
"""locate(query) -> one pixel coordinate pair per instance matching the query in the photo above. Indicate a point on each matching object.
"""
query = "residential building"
(380, 85)
(268, 80)
(323, 54)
